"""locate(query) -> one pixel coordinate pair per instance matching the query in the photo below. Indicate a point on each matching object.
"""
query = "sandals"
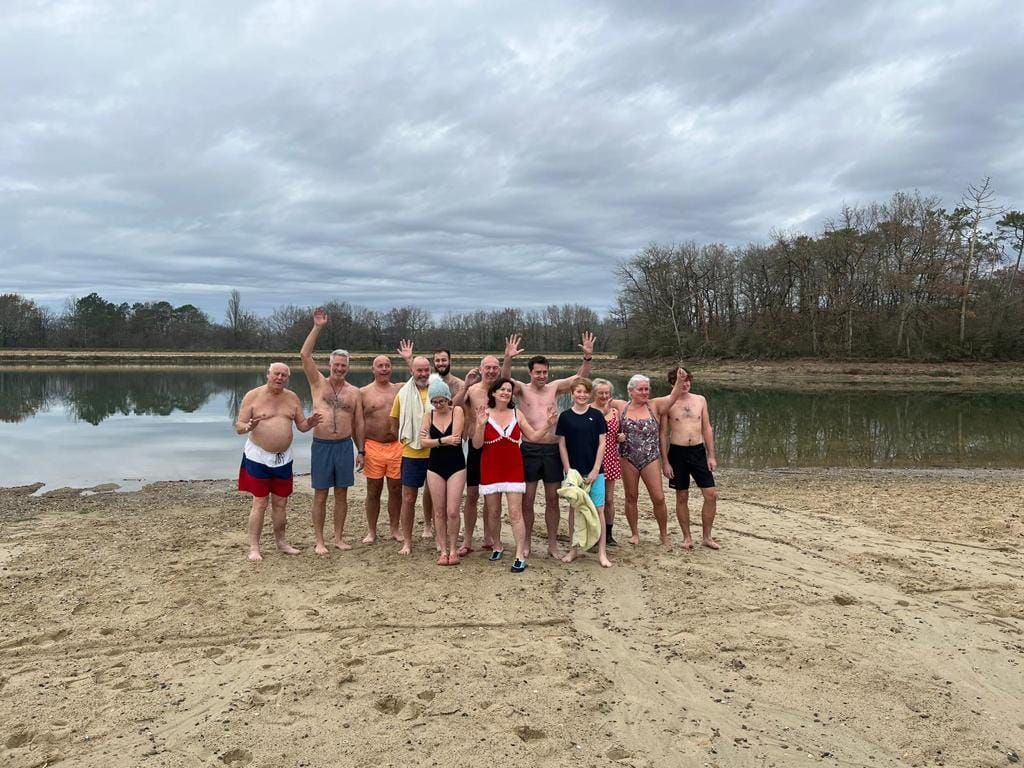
(495, 555)
(518, 566)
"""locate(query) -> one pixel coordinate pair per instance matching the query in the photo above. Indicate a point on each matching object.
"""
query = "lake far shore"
(853, 617)
(747, 373)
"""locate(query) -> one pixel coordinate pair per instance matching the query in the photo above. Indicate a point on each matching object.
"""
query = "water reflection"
(83, 426)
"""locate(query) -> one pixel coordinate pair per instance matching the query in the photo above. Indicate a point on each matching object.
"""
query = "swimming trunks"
(332, 463)
(473, 466)
(414, 472)
(687, 460)
(263, 473)
(382, 459)
(541, 461)
(641, 446)
(445, 460)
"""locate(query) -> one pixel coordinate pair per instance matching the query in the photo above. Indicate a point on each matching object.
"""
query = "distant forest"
(905, 278)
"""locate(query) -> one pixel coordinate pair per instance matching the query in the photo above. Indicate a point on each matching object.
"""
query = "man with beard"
(383, 461)
(443, 368)
(337, 439)
(406, 419)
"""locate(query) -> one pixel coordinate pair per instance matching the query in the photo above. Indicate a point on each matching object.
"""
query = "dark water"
(129, 426)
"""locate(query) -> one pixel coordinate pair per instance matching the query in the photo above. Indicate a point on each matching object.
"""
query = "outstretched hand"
(512, 347)
(405, 349)
(319, 317)
(482, 413)
(588, 343)
(473, 377)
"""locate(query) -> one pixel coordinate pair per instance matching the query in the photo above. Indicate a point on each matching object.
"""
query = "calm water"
(131, 426)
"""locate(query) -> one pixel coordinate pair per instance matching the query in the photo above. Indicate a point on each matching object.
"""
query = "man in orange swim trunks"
(383, 451)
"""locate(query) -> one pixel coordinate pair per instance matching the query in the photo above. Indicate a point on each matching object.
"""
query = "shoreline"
(853, 617)
(782, 374)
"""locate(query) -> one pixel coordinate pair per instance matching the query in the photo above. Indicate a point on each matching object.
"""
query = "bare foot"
(465, 549)
(605, 562)
(571, 555)
(396, 535)
(634, 539)
(287, 548)
(555, 552)
(320, 549)
(255, 556)
(453, 559)
(666, 541)
(687, 542)
(405, 550)
(443, 559)
(428, 533)
(343, 545)
(710, 543)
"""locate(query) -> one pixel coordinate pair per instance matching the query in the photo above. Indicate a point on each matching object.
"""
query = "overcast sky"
(457, 155)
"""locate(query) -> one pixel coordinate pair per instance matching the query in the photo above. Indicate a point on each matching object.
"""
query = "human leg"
(552, 516)
(340, 513)
(319, 517)
(707, 516)
(631, 490)
(256, 514)
(651, 475)
(279, 518)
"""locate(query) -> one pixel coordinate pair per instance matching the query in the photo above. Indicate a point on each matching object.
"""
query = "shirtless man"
(266, 415)
(472, 398)
(443, 368)
(541, 460)
(383, 451)
(337, 439)
(688, 448)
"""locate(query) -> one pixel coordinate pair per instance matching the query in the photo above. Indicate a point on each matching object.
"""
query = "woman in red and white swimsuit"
(499, 432)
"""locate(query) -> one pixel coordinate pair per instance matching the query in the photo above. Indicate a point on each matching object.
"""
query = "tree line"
(904, 278)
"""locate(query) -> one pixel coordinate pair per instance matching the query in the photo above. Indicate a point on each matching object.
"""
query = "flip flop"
(518, 566)
(453, 559)
(464, 550)
(495, 556)
(442, 560)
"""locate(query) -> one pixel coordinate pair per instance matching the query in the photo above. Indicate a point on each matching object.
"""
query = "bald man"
(383, 451)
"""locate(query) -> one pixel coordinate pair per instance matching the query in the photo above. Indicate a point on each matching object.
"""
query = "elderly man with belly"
(266, 415)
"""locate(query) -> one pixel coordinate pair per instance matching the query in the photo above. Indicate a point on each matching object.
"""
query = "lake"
(84, 426)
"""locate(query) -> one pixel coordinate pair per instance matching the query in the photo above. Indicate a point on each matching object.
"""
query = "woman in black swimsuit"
(446, 469)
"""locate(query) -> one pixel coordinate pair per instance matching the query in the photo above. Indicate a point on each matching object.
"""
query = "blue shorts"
(333, 463)
(414, 472)
(597, 491)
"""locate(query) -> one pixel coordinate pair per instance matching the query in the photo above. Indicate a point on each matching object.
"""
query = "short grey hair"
(604, 383)
(339, 353)
(635, 379)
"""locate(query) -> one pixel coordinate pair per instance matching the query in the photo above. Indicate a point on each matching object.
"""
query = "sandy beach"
(852, 618)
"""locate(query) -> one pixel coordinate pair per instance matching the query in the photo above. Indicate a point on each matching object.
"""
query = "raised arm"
(478, 427)
(564, 385)
(405, 350)
(662, 404)
(308, 364)
(512, 349)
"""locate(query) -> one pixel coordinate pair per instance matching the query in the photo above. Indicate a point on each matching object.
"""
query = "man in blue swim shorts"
(338, 439)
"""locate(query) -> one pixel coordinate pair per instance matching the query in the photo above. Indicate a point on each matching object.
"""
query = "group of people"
(409, 435)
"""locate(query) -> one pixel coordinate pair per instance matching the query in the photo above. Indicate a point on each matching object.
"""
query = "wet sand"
(852, 618)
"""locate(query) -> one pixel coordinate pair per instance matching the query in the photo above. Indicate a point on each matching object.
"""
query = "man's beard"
(442, 370)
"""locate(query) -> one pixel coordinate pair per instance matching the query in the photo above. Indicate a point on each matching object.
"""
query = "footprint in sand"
(528, 734)
(272, 689)
(19, 739)
(213, 653)
(236, 758)
(389, 705)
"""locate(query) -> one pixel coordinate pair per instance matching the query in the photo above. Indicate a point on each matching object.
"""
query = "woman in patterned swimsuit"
(609, 407)
(640, 422)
